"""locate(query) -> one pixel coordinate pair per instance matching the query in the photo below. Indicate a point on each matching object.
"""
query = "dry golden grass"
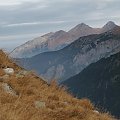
(59, 104)
(1, 72)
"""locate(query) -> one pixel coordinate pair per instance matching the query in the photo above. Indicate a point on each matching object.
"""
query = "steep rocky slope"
(24, 96)
(57, 40)
(100, 82)
(84, 30)
(62, 64)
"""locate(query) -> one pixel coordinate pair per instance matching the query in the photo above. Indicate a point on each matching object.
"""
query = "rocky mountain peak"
(80, 26)
(81, 30)
(116, 30)
(60, 32)
(110, 25)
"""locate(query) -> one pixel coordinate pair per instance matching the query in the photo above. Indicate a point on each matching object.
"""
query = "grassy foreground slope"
(24, 96)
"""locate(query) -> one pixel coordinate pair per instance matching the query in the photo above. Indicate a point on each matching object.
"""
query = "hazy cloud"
(25, 17)
(32, 23)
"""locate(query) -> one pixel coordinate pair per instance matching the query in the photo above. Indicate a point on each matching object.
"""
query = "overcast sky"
(22, 20)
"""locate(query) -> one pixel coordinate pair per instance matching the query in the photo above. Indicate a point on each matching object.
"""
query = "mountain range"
(100, 82)
(88, 65)
(57, 40)
(69, 61)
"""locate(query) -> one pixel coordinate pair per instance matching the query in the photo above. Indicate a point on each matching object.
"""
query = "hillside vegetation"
(100, 82)
(24, 96)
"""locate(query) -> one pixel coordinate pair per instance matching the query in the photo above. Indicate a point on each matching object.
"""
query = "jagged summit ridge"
(110, 25)
(57, 40)
(80, 26)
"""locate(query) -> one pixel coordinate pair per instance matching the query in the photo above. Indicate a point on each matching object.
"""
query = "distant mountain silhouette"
(69, 61)
(56, 41)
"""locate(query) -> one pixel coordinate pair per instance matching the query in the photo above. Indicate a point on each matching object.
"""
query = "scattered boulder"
(9, 71)
(95, 111)
(8, 89)
(40, 104)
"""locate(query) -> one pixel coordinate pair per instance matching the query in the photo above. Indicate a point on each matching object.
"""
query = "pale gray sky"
(22, 20)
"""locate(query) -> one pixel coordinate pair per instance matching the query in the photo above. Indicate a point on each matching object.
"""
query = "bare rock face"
(83, 30)
(104, 49)
(110, 25)
(48, 42)
(54, 73)
(49, 74)
(30, 48)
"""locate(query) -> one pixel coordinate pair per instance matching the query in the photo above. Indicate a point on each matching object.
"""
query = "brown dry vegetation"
(59, 104)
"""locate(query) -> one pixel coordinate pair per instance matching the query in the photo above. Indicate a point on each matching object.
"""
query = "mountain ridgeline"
(69, 61)
(86, 60)
(100, 82)
(57, 40)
